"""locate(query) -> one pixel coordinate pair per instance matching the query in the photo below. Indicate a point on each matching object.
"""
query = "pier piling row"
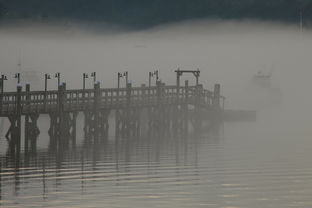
(159, 108)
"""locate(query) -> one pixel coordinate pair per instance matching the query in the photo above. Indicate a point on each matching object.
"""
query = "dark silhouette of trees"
(146, 13)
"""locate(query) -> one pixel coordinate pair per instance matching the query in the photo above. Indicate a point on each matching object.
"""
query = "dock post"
(127, 110)
(74, 128)
(26, 140)
(198, 117)
(18, 118)
(175, 120)
(31, 128)
(159, 109)
(59, 127)
(186, 101)
(96, 111)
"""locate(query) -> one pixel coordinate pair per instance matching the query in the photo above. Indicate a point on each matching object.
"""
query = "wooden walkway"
(160, 109)
(41, 102)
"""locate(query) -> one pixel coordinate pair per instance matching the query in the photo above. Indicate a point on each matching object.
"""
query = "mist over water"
(229, 53)
(263, 162)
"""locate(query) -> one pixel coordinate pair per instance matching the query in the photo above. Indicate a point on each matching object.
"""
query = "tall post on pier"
(117, 111)
(84, 77)
(96, 111)
(3, 78)
(58, 76)
(26, 140)
(93, 74)
(18, 77)
(60, 123)
(18, 118)
(159, 109)
(46, 77)
(127, 113)
(177, 107)
(186, 101)
(31, 129)
(178, 80)
(126, 75)
(197, 74)
(13, 135)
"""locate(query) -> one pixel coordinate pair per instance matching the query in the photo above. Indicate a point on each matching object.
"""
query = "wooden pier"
(161, 108)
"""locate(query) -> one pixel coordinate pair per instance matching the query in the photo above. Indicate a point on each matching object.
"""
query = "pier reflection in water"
(224, 166)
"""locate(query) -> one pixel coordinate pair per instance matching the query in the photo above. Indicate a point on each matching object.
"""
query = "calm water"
(247, 164)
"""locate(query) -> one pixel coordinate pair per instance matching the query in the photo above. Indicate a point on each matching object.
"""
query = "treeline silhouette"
(147, 13)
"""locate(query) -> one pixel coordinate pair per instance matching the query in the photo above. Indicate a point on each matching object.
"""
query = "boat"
(262, 79)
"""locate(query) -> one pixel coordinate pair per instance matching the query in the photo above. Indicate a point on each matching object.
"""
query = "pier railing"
(45, 102)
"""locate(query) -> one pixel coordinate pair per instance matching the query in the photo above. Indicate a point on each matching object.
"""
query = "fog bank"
(229, 53)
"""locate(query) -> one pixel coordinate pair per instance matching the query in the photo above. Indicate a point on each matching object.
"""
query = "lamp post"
(93, 74)
(46, 77)
(3, 78)
(58, 76)
(119, 75)
(18, 77)
(84, 76)
(152, 74)
(125, 74)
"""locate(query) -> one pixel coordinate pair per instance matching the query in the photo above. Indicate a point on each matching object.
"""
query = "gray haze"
(266, 163)
(229, 53)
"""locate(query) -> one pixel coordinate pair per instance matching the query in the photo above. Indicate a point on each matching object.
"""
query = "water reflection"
(207, 169)
(63, 175)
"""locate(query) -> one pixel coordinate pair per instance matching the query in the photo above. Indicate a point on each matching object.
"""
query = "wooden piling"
(186, 111)
(166, 106)
(96, 111)
(27, 134)
(18, 118)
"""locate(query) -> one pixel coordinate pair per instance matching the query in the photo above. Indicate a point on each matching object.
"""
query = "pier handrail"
(79, 99)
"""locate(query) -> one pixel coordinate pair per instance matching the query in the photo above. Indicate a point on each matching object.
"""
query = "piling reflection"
(111, 161)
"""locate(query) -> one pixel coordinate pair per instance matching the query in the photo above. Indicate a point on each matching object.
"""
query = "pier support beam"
(197, 108)
(31, 132)
(14, 133)
(96, 120)
(62, 123)
(31, 129)
(127, 117)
